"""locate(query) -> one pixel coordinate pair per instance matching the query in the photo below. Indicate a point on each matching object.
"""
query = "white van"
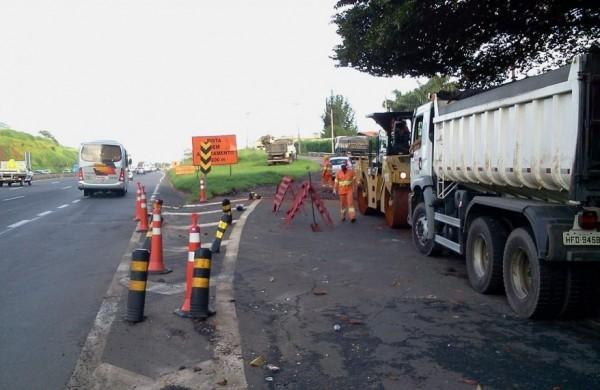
(103, 167)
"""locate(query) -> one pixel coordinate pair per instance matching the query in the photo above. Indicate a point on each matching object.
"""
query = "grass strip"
(250, 171)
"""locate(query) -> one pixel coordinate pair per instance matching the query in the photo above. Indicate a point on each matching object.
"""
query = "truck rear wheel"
(581, 290)
(396, 207)
(484, 252)
(534, 288)
(426, 246)
(362, 198)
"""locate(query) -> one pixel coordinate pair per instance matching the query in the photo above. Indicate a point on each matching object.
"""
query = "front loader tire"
(396, 207)
(362, 198)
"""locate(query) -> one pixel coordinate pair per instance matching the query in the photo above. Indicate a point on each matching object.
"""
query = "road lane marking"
(76, 201)
(20, 223)
(90, 356)
(155, 192)
(26, 221)
(66, 188)
(190, 213)
(55, 182)
(15, 188)
(183, 227)
(213, 203)
(16, 197)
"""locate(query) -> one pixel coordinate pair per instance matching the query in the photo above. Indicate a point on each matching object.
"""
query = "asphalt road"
(406, 321)
(58, 254)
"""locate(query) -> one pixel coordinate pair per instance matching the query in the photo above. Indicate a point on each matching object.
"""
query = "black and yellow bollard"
(200, 285)
(147, 245)
(225, 221)
(140, 259)
(227, 210)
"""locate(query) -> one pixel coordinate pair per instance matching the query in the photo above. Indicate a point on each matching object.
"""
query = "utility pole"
(331, 115)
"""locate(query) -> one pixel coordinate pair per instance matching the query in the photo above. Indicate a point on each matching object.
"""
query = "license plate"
(581, 238)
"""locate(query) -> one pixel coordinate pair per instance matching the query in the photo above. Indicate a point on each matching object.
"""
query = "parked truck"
(352, 146)
(280, 150)
(383, 175)
(16, 171)
(510, 178)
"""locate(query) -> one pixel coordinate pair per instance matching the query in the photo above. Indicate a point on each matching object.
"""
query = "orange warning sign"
(185, 169)
(223, 149)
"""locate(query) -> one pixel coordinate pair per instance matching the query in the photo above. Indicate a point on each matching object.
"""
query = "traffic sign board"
(223, 149)
(205, 157)
(185, 169)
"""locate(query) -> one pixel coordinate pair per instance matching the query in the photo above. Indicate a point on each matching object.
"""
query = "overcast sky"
(153, 73)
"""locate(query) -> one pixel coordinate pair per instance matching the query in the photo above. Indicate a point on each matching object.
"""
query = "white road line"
(55, 182)
(16, 197)
(45, 213)
(15, 188)
(66, 188)
(63, 206)
(213, 203)
(76, 201)
(214, 223)
(186, 228)
(90, 356)
(155, 192)
(190, 213)
(20, 223)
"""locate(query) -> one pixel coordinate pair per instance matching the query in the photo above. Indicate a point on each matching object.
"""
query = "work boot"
(353, 220)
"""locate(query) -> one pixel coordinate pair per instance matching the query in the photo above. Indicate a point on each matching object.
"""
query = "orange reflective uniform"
(344, 182)
(326, 178)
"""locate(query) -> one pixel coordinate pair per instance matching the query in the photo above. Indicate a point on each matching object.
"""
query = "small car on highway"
(337, 162)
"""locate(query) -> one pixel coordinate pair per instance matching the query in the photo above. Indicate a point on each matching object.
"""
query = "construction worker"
(344, 185)
(326, 176)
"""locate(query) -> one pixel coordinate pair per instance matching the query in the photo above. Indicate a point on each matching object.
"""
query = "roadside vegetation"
(250, 171)
(46, 152)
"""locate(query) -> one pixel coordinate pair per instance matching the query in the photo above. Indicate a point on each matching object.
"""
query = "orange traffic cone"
(138, 197)
(157, 265)
(143, 224)
(194, 243)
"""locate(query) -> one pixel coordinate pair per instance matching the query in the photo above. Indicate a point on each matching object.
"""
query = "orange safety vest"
(344, 181)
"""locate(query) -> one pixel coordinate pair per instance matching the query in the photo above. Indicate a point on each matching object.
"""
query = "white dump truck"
(510, 178)
(16, 171)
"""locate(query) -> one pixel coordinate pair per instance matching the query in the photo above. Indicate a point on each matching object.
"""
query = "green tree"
(47, 134)
(343, 117)
(411, 100)
(478, 41)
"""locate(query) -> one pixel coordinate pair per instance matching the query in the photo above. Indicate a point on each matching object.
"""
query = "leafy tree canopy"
(343, 117)
(478, 41)
(420, 95)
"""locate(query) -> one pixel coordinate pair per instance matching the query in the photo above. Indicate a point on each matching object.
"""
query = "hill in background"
(46, 153)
